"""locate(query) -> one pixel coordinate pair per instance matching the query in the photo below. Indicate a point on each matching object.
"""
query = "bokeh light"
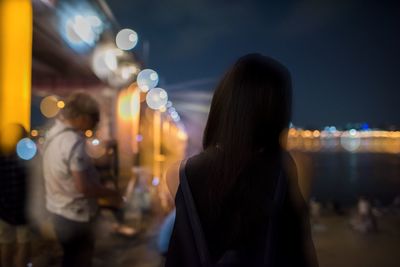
(41, 140)
(316, 133)
(34, 133)
(126, 39)
(155, 181)
(139, 138)
(60, 104)
(94, 21)
(175, 116)
(350, 141)
(95, 149)
(83, 29)
(49, 106)
(128, 71)
(88, 133)
(105, 61)
(156, 98)
(95, 142)
(26, 149)
(147, 79)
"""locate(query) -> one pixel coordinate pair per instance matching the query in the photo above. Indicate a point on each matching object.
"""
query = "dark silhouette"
(238, 201)
(14, 183)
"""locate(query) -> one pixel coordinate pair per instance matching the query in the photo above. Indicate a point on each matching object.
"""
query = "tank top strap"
(277, 205)
(194, 219)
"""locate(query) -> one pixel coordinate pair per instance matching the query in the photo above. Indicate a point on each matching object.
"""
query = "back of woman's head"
(251, 105)
(250, 109)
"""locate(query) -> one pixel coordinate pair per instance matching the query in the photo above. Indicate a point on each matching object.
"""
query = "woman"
(238, 202)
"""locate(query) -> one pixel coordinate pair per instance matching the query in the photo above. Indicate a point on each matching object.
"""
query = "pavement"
(340, 246)
(336, 243)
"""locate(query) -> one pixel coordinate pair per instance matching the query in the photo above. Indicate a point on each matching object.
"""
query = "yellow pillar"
(157, 144)
(15, 62)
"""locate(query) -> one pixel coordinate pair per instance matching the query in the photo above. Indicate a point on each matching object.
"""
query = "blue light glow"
(365, 126)
(80, 26)
(26, 149)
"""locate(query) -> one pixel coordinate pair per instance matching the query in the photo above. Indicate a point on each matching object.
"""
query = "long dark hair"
(250, 110)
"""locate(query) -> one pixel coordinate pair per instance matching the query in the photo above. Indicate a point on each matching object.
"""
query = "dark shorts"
(77, 241)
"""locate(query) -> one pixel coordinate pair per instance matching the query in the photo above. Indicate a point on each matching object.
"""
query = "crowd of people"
(363, 216)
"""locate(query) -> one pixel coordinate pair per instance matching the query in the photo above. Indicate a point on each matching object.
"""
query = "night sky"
(344, 55)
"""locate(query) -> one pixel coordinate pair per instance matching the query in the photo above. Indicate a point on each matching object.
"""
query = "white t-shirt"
(64, 151)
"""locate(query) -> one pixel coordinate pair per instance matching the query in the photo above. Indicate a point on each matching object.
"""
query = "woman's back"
(241, 220)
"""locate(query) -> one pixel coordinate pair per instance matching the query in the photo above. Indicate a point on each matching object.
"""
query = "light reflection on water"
(344, 176)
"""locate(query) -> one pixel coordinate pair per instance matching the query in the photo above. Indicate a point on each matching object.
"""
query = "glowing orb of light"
(95, 142)
(353, 132)
(139, 138)
(156, 98)
(95, 149)
(156, 181)
(128, 71)
(175, 116)
(110, 59)
(350, 142)
(60, 104)
(105, 61)
(147, 79)
(34, 133)
(126, 39)
(80, 29)
(94, 21)
(49, 106)
(88, 133)
(26, 149)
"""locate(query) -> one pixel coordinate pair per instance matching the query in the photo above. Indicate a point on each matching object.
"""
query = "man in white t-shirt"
(71, 181)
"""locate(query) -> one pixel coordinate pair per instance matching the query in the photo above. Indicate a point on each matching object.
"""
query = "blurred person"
(165, 233)
(107, 167)
(396, 204)
(14, 229)
(364, 221)
(378, 209)
(71, 181)
(238, 201)
(337, 208)
(315, 213)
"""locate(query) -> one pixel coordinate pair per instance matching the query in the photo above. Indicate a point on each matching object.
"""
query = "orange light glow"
(306, 134)
(34, 133)
(128, 104)
(49, 106)
(316, 134)
(60, 104)
(89, 133)
(15, 62)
